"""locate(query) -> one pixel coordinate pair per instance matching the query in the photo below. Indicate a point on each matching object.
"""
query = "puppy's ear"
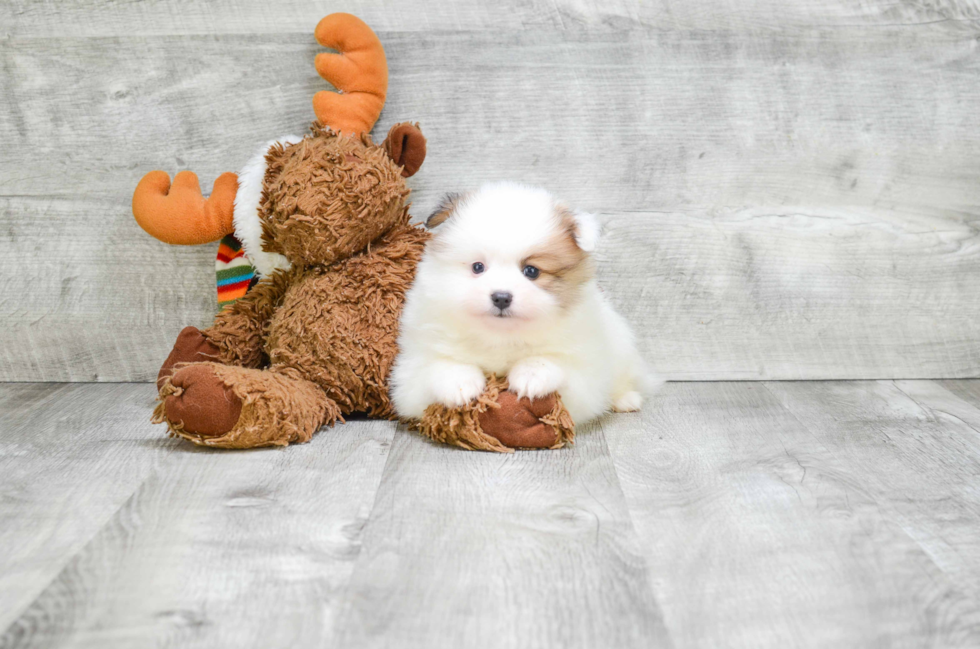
(447, 207)
(587, 230)
(584, 227)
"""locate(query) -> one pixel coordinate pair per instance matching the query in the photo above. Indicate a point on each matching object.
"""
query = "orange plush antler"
(359, 72)
(179, 214)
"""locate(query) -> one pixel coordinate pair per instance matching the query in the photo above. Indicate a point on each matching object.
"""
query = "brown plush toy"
(315, 339)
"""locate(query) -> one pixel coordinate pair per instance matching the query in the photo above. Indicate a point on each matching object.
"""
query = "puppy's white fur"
(559, 332)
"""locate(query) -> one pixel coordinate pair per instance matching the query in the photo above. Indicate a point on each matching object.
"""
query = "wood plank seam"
(928, 408)
(9, 635)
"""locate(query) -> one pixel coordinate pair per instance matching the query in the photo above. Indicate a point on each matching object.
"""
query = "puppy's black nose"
(501, 299)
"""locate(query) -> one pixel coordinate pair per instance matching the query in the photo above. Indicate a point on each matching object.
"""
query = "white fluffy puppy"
(507, 285)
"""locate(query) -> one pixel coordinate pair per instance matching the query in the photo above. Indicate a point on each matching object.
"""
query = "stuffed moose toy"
(324, 221)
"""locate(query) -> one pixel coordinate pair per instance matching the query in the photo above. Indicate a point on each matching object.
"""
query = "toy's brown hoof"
(191, 347)
(202, 404)
(517, 422)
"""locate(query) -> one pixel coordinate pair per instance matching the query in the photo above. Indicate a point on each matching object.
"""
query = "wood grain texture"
(919, 464)
(949, 399)
(482, 550)
(617, 122)
(70, 456)
(157, 17)
(739, 294)
(760, 532)
(969, 391)
(85, 298)
(751, 294)
(780, 204)
(220, 549)
(805, 514)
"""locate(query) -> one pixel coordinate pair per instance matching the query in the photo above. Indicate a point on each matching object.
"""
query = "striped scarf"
(234, 272)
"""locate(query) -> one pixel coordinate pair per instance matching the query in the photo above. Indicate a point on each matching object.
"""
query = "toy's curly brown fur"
(334, 206)
(470, 426)
(327, 197)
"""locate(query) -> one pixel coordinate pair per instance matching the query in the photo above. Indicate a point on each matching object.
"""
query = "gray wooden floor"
(803, 514)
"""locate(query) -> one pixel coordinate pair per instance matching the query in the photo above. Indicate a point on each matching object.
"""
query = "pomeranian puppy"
(507, 285)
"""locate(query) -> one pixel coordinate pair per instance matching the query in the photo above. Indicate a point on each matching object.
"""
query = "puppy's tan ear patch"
(584, 227)
(447, 207)
(564, 264)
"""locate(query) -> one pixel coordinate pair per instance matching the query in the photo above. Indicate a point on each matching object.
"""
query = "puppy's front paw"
(535, 377)
(457, 385)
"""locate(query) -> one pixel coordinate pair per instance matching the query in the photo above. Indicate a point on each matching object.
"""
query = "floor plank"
(218, 548)
(969, 391)
(757, 534)
(726, 514)
(70, 456)
(957, 400)
(922, 466)
(483, 550)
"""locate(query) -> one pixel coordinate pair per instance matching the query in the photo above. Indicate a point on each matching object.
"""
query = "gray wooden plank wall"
(790, 190)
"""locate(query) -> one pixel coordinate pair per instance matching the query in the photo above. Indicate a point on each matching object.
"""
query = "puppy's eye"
(478, 267)
(531, 272)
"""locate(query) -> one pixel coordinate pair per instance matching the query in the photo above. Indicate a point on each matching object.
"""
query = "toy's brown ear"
(444, 210)
(405, 145)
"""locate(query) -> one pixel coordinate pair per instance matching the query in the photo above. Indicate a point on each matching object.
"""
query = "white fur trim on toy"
(248, 227)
